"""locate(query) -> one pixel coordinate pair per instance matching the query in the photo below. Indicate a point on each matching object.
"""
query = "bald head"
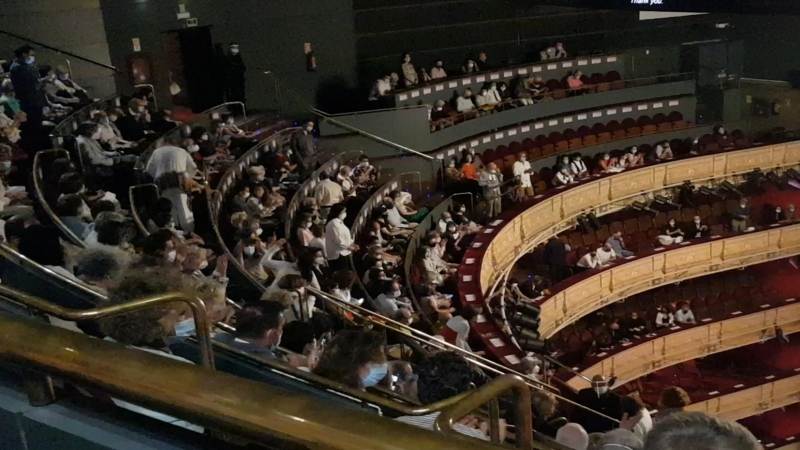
(698, 431)
(573, 435)
(619, 439)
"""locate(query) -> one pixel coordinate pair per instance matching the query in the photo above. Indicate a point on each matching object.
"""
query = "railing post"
(39, 388)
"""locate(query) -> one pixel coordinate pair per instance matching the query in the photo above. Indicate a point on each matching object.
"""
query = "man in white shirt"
(563, 177)
(522, 170)
(381, 88)
(464, 102)
(170, 159)
(327, 193)
(491, 180)
(664, 318)
(685, 315)
(486, 98)
(391, 302)
(589, 261)
(606, 254)
(394, 218)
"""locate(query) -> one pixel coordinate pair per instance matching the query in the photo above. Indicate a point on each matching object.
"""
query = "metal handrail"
(37, 184)
(134, 211)
(327, 117)
(214, 400)
(152, 89)
(23, 261)
(202, 326)
(59, 131)
(61, 51)
(522, 408)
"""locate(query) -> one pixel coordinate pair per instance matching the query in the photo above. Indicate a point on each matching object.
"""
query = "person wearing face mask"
(672, 234)
(364, 173)
(338, 241)
(464, 103)
(109, 133)
(344, 178)
(235, 75)
(599, 398)
(392, 303)
(491, 180)
(133, 125)
(24, 74)
(698, 229)
(438, 70)
(469, 67)
(453, 249)
(777, 216)
(563, 177)
(740, 216)
(578, 167)
(632, 158)
(327, 193)
(522, 170)
(441, 111)
(409, 73)
(304, 234)
(70, 85)
(487, 99)
(356, 359)
(608, 164)
(57, 92)
(70, 210)
(791, 215)
(522, 91)
(9, 105)
(259, 328)
(240, 202)
(303, 143)
(556, 52)
(101, 160)
(663, 152)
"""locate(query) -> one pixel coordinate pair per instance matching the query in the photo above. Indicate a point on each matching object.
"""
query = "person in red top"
(468, 169)
(456, 330)
(575, 83)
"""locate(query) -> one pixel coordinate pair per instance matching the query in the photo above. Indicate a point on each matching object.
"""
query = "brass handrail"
(37, 185)
(211, 399)
(21, 260)
(202, 325)
(134, 212)
(522, 408)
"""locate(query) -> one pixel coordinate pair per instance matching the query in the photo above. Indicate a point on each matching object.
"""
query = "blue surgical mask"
(185, 327)
(376, 374)
(30, 60)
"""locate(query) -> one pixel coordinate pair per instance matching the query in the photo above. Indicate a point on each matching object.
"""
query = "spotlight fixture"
(522, 320)
(664, 200)
(710, 191)
(728, 186)
(793, 174)
(532, 345)
(774, 179)
(641, 206)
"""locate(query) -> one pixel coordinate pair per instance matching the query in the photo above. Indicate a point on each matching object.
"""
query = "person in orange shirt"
(468, 168)
(576, 84)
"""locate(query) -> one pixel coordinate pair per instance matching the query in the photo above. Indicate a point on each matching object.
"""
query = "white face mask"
(395, 294)
(172, 255)
(249, 251)
(342, 216)
(113, 118)
(633, 151)
(185, 327)
(672, 224)
(606, 158)
(193, 148)
(230, 121)
(778, 211)
(203, 264)
(104, 120)
(245, 195)
(96, 135)
(722, 131)
(204, 137)
(697, 222)
(234, 51)
(463, 210)
(523, 159)
(319, 260)
(259, 231)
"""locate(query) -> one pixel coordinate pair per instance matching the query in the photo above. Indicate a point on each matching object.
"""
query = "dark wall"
(271, 36)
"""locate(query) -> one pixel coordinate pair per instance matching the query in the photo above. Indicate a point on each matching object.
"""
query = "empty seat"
(631, 226)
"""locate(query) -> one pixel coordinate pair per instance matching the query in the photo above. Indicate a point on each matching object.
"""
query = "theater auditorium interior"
(541, 224)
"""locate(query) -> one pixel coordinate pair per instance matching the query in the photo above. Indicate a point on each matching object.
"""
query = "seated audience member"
(609, 164)
(740, 216)
(109, 133)
(439, 377)
(393, 215)
(537, 88)
(672, 400)
(698, 229)
(589, 261)
(776, 216)
(100, 268)
(663, 152)
(578, 167)
(464, 103)
(573, 436)
(402, 202)
(356, 359)
(133, 124)
(410, 77)
(101, 160)
(42, 245)
(557, 52)
(392, 304)
(259, 327)
(486, 99)
(441, 110)
(634, 325)
(632, 158)
(522, 92)
(469, 170)
(56, 92)
(456, 330)
(672, 234)
(341, 284)
(563, 162)
(469, 67)
(575, 83)
(364, 173)
(563, 177)
(684, 315)
(621, 438)
(381, 88)
(438, 70)
(169, 158)
(338, 241)
(66, 83)
(618, 245)
(70, 210)
(791, 215)
(664, 318)
(437, 307)
(699, 431)
(327, 193)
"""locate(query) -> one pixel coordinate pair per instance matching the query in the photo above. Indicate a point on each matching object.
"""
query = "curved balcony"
(519, 230)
